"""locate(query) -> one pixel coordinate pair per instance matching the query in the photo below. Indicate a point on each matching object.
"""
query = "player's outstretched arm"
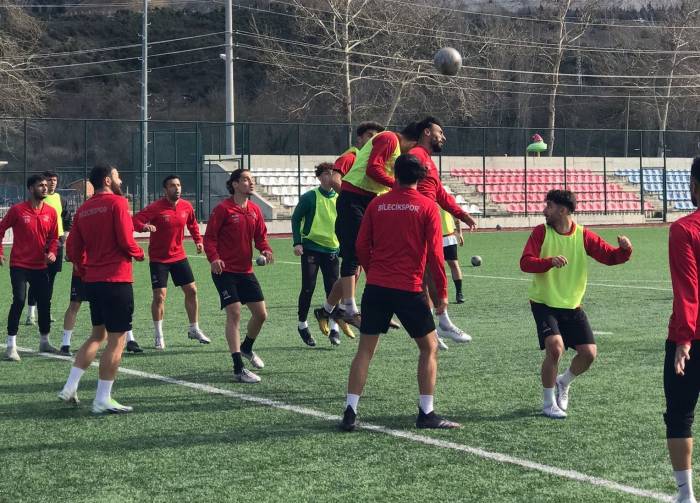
(597, 248)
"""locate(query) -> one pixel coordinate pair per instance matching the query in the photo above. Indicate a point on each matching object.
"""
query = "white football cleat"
(198, 335)
(453, 333)
(553, 411)
(254, 359)
(680, 499)
(11, 354)
(246, 376)
(441, 344)
(110, 407)
(159, 343)
(70, 397)
(562, 395)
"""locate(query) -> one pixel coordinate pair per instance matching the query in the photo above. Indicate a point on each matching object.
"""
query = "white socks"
(566, 377)
(130, 336)
(352, 401)
(31, 311)
(425, 402)
(328, 308)
(548, 396)
(11, 341)
(194, 326)
(104, 391)
(444, 320)
(303, 325)
(332, 325)
(44, 337)
(73, 379)
(66, 337)
(350, 306)
(684, 482)
(158, 328)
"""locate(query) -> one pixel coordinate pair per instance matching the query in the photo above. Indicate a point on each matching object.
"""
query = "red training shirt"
(35, 233)
(595, 246)
(343, 163)
(230, 232)
(165, 245)
(103, 231)
(683, 257)
(432, 187)
(383, 146)
(400, 231)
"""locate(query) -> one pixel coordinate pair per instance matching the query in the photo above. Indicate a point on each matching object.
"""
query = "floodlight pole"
(230, 133)
(144, 106)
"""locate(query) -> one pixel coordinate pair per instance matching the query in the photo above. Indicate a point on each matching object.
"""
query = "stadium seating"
(652, 181)
(517, 191)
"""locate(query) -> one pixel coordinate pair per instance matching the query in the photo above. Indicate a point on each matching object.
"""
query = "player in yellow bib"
(557, 254)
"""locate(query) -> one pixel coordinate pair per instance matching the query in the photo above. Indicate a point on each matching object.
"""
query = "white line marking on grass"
(601, 333)
(406, 435)
(610, 285)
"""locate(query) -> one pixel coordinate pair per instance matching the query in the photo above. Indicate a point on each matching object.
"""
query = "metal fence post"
(664, 179)
(565, 151)
(483, 169)
(298, 160)
(26, 159)
(85, 158)
(605, 174)
(525, 166)
(641, 171)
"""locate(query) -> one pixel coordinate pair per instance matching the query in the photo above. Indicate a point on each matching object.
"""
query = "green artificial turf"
(183, 444)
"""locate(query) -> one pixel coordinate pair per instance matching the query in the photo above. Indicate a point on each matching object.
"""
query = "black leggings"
(52, 271)
(310, 263)
(681, 391)
(38, 280)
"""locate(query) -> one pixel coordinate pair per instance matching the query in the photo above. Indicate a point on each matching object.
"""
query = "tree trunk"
(394, 104)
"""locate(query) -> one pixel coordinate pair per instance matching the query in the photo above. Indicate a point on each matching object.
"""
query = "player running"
(166, 219)
(556, 254)
(233, 225)
(400, 232)
(104, 233)
(34, 246)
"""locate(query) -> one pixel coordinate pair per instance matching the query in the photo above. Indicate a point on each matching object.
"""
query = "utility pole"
(230, 132)
(144, 106)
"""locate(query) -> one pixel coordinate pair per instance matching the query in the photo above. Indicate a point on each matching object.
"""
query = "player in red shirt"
(682, 361)
(400, 232)
(166, 219)
(35, 243)
(342, 165)
(431, 139)
(233, 226)
(104, 233)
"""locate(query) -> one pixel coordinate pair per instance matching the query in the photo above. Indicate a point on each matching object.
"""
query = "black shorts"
(681, 392)
(350, 208)
(180, 271)
(77, 290)
(237, 287)
(57, 266)
(450, 252)
(571, 324)
(379, 304)
(111, 305)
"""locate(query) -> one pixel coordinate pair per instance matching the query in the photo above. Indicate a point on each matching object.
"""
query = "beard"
(436, 146)
(40, 196)
(117, 189)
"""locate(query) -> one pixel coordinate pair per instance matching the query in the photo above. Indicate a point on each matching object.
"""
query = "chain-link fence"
(488, 169)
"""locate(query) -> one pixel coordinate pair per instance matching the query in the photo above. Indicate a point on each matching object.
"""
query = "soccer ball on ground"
(476, 261)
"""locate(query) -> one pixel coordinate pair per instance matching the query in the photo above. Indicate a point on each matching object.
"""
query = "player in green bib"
(313, 231)
(557, 254)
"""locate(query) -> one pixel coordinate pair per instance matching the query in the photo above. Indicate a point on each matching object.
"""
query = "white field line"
(406, 435)
(595, 332)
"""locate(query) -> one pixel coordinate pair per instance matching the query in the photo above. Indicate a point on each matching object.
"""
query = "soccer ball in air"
(476, 261)
(448, 61)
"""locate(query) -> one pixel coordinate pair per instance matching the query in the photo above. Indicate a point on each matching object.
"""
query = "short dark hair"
(408, 169)
(98, 175)
(235, 177)
(168, 178)
(323, 167)
(368, 126)
(34, 179)
(563, 198)
(411, 131)
(50, 174)
(426, 124)
(695, 169)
